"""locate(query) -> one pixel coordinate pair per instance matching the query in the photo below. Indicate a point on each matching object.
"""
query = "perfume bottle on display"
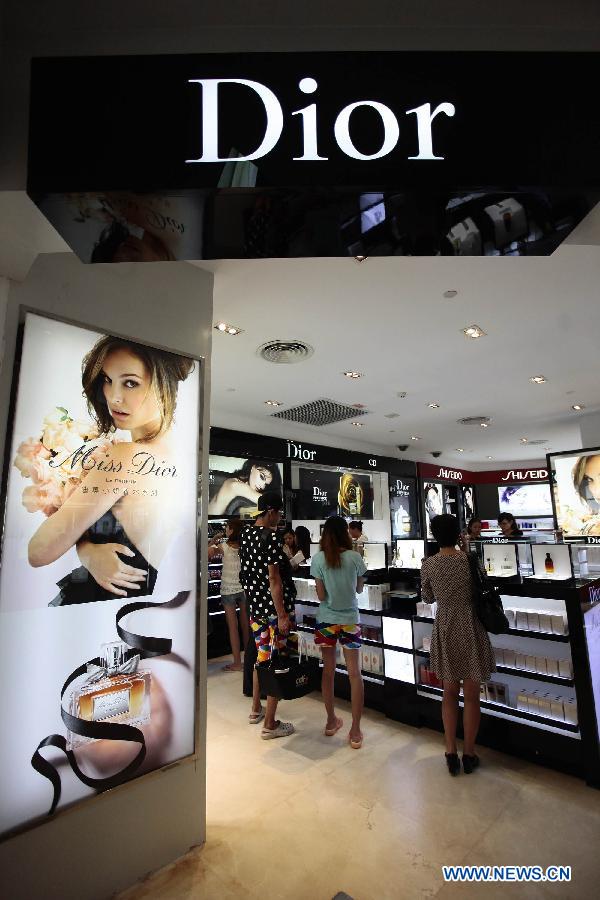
(549, 565)
(506, 566)
(489, 565)
(413, 559)
(116, 691)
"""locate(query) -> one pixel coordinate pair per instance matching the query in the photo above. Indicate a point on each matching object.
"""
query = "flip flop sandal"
(255, 717)
(329, 732)
(356, 745)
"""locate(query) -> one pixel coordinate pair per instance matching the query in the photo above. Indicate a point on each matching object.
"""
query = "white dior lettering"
(402, 490)
(319, 495)
(296, 451)
(373, 462)
(341, 128)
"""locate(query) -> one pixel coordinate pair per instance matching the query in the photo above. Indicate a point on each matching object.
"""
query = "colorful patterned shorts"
(349, 636)
(263, 635)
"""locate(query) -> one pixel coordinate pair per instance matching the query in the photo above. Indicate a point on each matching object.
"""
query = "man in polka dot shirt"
(266, 577)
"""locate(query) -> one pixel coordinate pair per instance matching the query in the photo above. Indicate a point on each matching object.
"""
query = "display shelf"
(214, 565)
(217, 612)
(365, 612)
(399, 648)
(535, 676)
(502, 711)
(214, 580)
(519, 632)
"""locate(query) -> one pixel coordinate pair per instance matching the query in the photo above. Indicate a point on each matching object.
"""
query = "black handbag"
(301, 678)
(486, 600)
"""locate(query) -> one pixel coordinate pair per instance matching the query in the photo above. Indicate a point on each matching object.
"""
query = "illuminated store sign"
(526, 475)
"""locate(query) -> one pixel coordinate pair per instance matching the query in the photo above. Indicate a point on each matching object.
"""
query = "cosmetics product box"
(510, 658)
(530, 663)
(565, 668)
(533, 702)
(557, 708)
(551, 666)
(501, 693)
(520, 661)
(365, 659)
(491, 692)
(545, 705)
(546, 622)
(522, 703)
(499, 656)
(510, 615)
(423, 673)
(558, 624)
(427, 643)
(522, 619)
(482, 692)
(570, 708)
(533, 621)
(376, 661)
(420, 608)
(541, 665)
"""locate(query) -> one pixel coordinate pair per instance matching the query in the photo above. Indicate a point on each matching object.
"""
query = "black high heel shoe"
(470, 763)
(453, 763)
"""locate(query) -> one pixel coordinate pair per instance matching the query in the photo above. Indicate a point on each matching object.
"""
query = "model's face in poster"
(577, 493)
(434, 504)
(100, 513)
(525, 500)
(235, 484)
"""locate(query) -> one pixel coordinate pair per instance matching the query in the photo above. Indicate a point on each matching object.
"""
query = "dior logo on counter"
(402, 489)
(296, 451)
(450, 473)
(341, 127)
(526, 475)
(592, 540)
(594, 594)
(499, 540)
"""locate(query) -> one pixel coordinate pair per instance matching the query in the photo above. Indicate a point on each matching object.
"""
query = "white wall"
(590, 430)
(107, 843)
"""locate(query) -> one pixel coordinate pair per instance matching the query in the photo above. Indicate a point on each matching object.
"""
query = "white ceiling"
(387, 318)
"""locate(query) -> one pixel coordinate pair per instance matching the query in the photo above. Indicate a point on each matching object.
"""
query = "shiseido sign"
(526, 475)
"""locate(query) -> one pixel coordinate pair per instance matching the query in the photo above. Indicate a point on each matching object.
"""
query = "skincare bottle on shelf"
(549, 565)
(116, 691)
(506, 566)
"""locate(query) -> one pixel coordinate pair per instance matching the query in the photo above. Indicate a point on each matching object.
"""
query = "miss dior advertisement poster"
(98, 576)
(322, 493)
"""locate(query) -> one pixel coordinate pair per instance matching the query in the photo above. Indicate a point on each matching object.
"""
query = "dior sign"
(342, 131)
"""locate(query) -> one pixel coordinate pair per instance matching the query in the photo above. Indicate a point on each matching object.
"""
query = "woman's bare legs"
(327, 687)
(234, 635)
(450, 713)
(357, 691)
(471, 715)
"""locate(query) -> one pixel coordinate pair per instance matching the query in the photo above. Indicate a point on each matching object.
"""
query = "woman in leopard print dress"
(460, 646)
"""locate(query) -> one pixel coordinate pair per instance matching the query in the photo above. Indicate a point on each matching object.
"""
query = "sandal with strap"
(282, 729)
(255, 717)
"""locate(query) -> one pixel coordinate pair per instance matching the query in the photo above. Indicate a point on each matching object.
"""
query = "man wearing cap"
(266, 576)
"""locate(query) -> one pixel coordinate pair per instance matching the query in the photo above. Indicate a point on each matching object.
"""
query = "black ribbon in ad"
(144, 646)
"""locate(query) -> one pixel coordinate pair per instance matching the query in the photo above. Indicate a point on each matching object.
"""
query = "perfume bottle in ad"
(549, 565)
(116, 691)
(350, 495)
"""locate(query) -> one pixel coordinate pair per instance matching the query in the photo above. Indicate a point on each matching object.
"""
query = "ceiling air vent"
(538, 441)
(285, 352)
(320, 412)
(474, 420)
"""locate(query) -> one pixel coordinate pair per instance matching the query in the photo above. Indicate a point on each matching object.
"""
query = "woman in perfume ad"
(236, 493)
(120, 498)
(586, 481)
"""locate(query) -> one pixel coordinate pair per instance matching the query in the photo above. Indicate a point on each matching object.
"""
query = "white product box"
(491, 692)
(499, 656)
(557, 708)
(546, 622)
(541, 665)
(565, 668)
(510, 615)
(510, 658)
(520, 661)
(376, 660)
(545, 706)
(502, 694)
(551, 666)
(570, 708)
(533, 621)
(533, 702)
(522, 703)
(558, 624)
(530, 663)
(522, 619)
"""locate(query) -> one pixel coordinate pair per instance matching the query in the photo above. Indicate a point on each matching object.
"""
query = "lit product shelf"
(499, 710)
(519, 632)
(365, 612)
(521, 673)
(214, 580)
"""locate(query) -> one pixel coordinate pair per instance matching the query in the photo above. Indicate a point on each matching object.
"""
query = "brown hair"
(334, 540)
(236, 526)
(166, 371)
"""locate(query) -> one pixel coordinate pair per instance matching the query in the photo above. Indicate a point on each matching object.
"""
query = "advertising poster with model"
(525, 499)
(403, 507)
(433, 499)
(577, 491)
(236, 483)
(98, 578)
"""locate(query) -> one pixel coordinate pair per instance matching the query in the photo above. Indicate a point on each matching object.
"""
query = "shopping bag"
(301, 677)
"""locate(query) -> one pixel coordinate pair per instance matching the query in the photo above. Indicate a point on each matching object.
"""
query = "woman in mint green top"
(339, 573)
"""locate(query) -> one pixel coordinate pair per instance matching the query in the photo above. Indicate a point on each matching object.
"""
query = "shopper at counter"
(359, 538)
(339, 575)
(508, 526)
(266, 576)
(232, 594)
(303, 541)
(474, 529)
(460, 647)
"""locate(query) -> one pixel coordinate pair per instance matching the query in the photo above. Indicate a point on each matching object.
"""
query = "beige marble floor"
(306, 816)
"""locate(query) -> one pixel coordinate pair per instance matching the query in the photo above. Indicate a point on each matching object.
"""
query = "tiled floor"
(306, 816)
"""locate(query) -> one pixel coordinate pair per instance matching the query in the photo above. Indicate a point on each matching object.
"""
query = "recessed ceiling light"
(360, 259)
(460, 449)
(433, 405)
(524, 440)
(227, 329)
(415, 437)
(484, 424)
(392, 416)
(353, 374)
(392, 431)
(358, 424)
(273, 403)
(490, 457)
(450, 294)
(474, 331)
(578, 406)
(538, 379)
